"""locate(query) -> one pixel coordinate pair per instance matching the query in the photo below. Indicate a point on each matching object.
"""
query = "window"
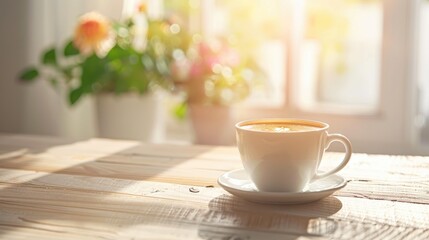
(350, 63)
(339, 52)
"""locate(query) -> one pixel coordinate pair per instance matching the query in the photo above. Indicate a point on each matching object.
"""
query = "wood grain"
(110, 189)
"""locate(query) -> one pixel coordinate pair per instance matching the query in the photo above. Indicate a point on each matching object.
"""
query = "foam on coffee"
(279, 127)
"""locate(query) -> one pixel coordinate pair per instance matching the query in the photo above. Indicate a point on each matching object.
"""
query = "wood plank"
(362, 166)
(101, 157)
(33, 142)
(383, 167)
(201, 166)
(395, 178)
(411, 191)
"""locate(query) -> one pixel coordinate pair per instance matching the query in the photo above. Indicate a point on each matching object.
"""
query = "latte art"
(279, 127)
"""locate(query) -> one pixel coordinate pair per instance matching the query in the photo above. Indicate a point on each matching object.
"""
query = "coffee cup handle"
(348, 147)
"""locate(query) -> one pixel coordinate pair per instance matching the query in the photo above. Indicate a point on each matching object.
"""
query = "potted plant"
(214, 76)
(123, 63)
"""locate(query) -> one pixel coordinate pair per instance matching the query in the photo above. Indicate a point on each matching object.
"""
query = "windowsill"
(320, 109)
(340, 109)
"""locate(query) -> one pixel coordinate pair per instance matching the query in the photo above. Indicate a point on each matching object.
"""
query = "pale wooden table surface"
(109, 189)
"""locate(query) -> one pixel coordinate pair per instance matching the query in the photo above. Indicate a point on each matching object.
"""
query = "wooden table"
(110, 189)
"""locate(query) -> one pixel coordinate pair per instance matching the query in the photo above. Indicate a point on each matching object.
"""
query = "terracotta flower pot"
(213, 125)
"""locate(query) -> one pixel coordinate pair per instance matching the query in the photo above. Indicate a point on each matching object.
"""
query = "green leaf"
(180, 111)
(117, 52)
(50, 57)
(121, 86)
(93, 69)
(70, 49)
(29, 74)
(74, 95)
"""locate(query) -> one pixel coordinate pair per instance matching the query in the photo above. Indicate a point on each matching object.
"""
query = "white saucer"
(238, 183)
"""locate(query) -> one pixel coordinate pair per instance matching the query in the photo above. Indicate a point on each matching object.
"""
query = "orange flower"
(93, 34)
(142, 7)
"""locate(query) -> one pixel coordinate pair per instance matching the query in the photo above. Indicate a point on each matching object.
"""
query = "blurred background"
(184, 71)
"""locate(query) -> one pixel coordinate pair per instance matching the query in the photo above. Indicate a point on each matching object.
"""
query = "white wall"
(27, 27)
(13, 15)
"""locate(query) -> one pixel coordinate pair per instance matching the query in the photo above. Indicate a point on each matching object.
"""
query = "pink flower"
(230, 57)
(196, 71)
(210, 54)
(93, 34)
(218, 52)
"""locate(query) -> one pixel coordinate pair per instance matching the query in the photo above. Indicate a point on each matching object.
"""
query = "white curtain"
(44, 110)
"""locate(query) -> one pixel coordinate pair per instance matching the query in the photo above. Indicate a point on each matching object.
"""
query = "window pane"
(341, 53)
(257, 29)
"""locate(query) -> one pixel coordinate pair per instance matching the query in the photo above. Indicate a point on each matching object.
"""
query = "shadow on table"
(42, 184)
(250, 220)
(111, 159)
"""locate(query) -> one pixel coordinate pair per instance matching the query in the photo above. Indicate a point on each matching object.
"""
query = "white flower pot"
(213, 125)
(131, 116)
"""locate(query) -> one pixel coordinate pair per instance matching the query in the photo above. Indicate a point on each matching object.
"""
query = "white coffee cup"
(283, 155)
